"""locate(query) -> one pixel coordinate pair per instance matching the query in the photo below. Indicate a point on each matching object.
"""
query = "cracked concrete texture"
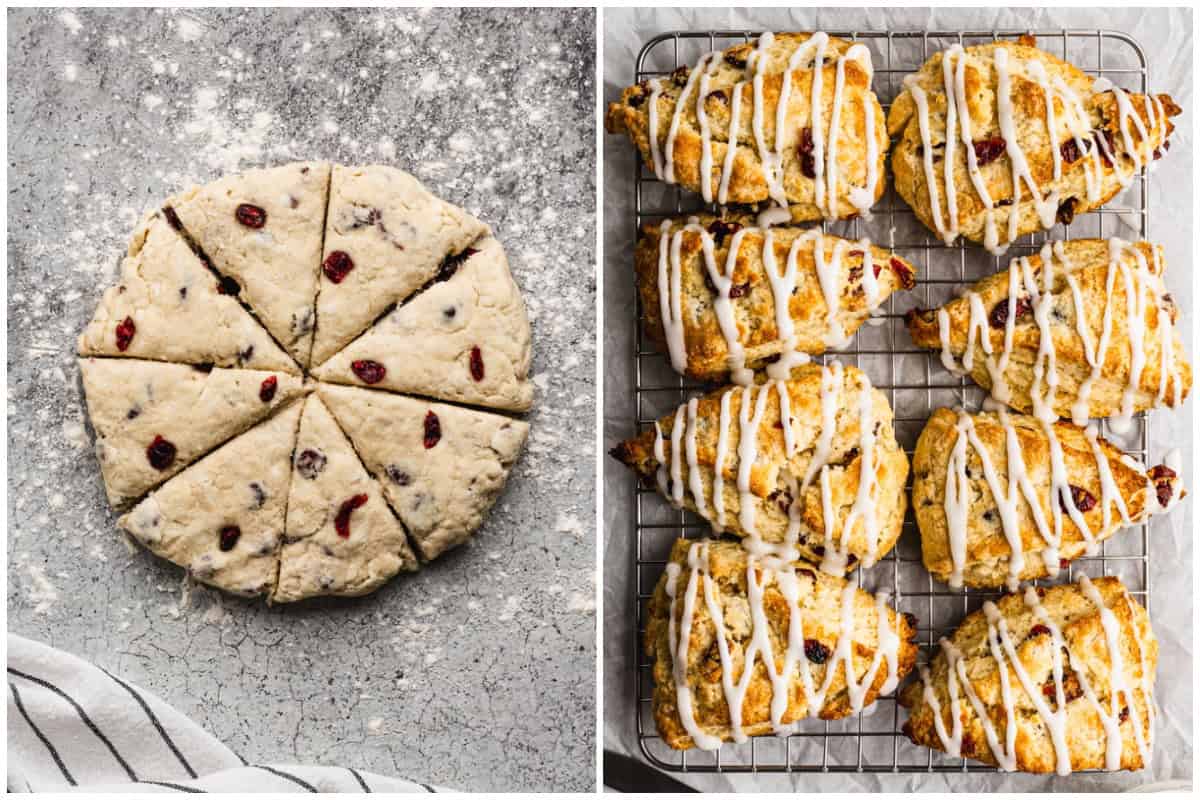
(478, 672)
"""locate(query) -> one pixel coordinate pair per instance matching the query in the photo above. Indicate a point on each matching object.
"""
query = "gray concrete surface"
(478, 673)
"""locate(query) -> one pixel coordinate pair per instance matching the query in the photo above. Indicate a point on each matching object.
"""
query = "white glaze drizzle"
(760, 573)
(668, 174)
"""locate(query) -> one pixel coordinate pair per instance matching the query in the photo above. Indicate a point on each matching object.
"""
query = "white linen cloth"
(73, 726)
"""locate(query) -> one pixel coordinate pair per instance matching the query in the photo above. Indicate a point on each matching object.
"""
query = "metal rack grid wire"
(915, 385)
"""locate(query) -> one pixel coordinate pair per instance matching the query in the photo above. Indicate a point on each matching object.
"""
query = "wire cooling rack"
(915, 384)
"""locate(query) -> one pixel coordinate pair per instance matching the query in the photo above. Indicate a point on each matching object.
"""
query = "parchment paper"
(1166, 35)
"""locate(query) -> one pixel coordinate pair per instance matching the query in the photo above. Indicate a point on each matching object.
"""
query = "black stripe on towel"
(360, 780)
(82, 715)
(177, 787)
(53, 753)
(308, 787)
(154, 720)
(427, 788)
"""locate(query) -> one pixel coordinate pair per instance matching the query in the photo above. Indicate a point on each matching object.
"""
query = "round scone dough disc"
(472, 333)
(263, 229)
(342, 538)
(153, 419)
(167, 308)
(385, 238)
(222, 519)
(441, 466)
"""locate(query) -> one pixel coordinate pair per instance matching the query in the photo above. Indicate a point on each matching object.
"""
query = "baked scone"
(470, 329)
(1051, 680)
(222, 519)
(809, 467)
(441, 467)
(262, 231)
(723, 296)
(386, 237)
(816, 646)
(341, 537)
(169, 307)
(790, 119)
(153, 419)
(1002, 498)
(1083, 329)
(998, 140)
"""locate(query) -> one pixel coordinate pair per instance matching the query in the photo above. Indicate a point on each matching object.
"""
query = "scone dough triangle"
(153, 419)
(386, 237)
(263, 230)
(167, 307)
(342, 538)
(470, 330)
(223, 518)
(441, 466)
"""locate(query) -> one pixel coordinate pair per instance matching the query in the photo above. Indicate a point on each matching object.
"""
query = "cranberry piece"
(368, 371)
(808, 166)
(1063, 563)
(250, 216)
(735, 60)
(1039, 630)
(229, 537)
(125, 331)
(1066, 211)
(266, 392)
(1104, 141)
(782, 498)
(310, 463)
(988, 150)
(680, 76)
(172, 218)
(398, 476)
(1124, 715)
(451, 264)
(342, 521)
(1162, 475)
(999, 316)
(227, 285)
(815, 651)
(476, 364)
(337, 265)
(1069, 151)
(904, 272)
(160, 453)
(739, 290)
(433, 430)
(1084, 500)
(717, 96)
(720, 229)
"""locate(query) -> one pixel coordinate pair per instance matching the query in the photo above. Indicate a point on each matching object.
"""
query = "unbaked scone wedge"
(262, 231)
(790, 118)
(1050, 680)
(153, 419)
(168, 307)
(341, 537)
(1002, 139)
(1002, 498)
(723, 295)
(386, 236)
(222, 519)
(744, 647)
(441, 467)
(808, 467)
(1092, 315)
(469, 328)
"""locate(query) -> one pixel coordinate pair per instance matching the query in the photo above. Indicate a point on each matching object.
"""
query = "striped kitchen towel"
(73, 725)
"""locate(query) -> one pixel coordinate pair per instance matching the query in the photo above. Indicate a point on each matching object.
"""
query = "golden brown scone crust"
(754, 306)
(768, 486)
(820, 608)
(747, 182)
(1029, 120)
(1079, 620)
(986, 563)
(1088, 259)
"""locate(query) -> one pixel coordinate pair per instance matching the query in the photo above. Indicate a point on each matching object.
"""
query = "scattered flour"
(387, 148)
(70, 72)
(578, 601)
(42, 592)
(71, 21)
(188, 29)
(511, 606)
(567, 523)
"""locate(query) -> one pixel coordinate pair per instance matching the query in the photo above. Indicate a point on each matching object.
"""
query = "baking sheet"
(476, 673)
(1166, 37)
